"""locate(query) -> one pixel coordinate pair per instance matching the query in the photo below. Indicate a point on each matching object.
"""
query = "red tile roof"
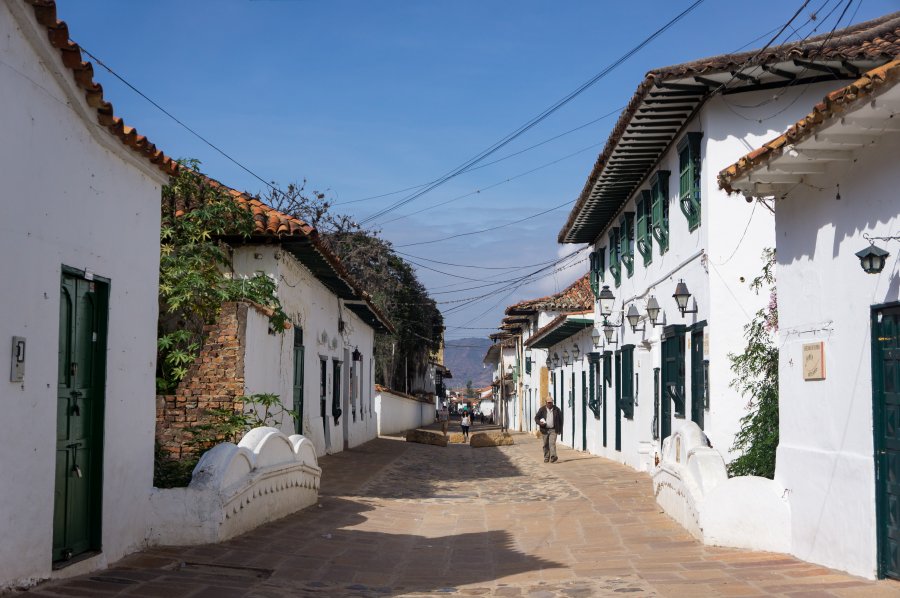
(268, 221)
(832, 106)
(83, 72)
(878, 39)
(577, 296)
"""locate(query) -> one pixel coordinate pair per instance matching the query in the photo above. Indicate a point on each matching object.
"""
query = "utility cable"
(534, 121)
(492, 228)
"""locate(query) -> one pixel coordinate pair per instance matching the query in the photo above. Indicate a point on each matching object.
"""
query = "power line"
(492, 228)
(491, 163)
(173, 117)
(497, 184)
(534, 121)
(472, 266)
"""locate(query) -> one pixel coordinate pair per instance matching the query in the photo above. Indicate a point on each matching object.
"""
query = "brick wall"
(215, 380)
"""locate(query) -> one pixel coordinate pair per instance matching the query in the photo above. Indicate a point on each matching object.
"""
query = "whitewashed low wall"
(397, 413)
(236, 488)
(692, 486)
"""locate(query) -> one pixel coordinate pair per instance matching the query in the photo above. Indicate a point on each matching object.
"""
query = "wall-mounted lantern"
(633, 316)
(555, 360)
(872, 259)
(595, 338)
(682, 296)
(653, 311)
(566, 357)
(357, 356)
(608, 331)
(607, 299)
(575, 353)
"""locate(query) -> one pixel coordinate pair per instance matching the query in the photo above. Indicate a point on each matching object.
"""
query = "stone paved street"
(399, 519)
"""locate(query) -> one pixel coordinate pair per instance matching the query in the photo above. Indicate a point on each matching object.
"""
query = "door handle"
(76, 410)
(76, 470)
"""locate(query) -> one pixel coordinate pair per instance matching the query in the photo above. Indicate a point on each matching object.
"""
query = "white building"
(659, 226)
(833, 179)
(324, 366)
(501, 358)
(79, 252)
(543, 328)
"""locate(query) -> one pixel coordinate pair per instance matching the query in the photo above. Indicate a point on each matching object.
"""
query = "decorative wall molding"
(236, 488)
(692, 486)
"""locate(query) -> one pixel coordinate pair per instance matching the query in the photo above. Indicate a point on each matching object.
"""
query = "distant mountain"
(463, 358)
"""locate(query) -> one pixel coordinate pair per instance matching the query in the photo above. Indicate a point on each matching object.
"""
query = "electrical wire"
(491, 163)
(492, 228)
(534, 121)
(497, 184)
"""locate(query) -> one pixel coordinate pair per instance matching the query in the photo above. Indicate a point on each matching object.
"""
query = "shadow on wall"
(327, 551)
(867, 202)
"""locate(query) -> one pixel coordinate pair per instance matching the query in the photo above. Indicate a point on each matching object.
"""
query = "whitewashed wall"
(825, 456)
(396, 413)
(269, 361)
(716, 261)
(72, 195)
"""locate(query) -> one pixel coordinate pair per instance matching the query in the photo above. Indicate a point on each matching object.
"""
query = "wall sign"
(814, 361)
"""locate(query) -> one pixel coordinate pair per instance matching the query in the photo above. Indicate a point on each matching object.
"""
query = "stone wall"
(215, 380)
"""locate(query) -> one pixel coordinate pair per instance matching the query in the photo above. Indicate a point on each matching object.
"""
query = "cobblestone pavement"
(399, 519)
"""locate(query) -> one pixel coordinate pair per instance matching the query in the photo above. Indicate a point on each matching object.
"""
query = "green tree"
(389, 279)
(470, 392)
(756, 378)
(195, 273)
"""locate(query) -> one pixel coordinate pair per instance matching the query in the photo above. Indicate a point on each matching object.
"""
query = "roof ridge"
(874, 39)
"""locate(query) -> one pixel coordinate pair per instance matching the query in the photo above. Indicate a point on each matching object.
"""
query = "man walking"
(550, 420)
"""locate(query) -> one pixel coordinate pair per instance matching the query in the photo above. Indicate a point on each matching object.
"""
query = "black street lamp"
(872, 259)
(682, 295)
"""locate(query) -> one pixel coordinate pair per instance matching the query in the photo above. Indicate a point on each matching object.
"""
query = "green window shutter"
(689, 178)
(626, 403)
(601, 263)
(615, 267)
(659, 189)
(595, 274)
(527, 364)
(644, 238)
(626, 242)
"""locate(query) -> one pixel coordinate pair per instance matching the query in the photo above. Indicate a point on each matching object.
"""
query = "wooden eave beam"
(779, 72)
(824, 68)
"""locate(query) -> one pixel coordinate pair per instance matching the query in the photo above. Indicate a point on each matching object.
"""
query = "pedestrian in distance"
(464, 423)
(444, 419)
(550, 421)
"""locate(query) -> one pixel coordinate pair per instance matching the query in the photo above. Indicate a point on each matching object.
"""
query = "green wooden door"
(886, 397)
(672, 378)
(79, 417)
(584, 402)
(572, 406)
(298, 378)
(618, 403)
(561, 403)
(605, 384)
(697, 373)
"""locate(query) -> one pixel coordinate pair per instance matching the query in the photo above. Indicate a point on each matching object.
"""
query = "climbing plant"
(756, 378)
(195, 274)
(219, 425)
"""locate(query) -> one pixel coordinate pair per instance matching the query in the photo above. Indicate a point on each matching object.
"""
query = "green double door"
(886, 396)
(79, 416)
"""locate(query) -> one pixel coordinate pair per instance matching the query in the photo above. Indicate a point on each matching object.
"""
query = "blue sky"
(367, 97)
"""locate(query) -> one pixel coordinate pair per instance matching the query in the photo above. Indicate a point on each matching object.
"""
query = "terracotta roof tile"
(83, 73)
(832, 106)
(878, 39)
(577, 296)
